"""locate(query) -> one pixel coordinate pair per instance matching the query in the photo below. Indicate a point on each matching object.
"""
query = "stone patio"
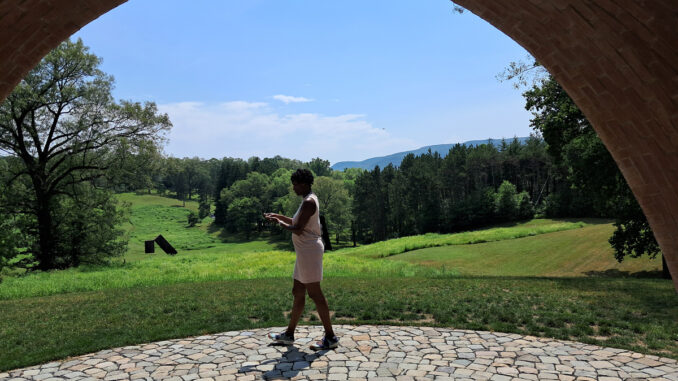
(365, 352)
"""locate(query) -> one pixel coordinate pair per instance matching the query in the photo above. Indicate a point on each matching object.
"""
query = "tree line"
(470, 187)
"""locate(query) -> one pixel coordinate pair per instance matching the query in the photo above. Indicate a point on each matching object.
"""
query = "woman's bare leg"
(321, 306)
(299, 292)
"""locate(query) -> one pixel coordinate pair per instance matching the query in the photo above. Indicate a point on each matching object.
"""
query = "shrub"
(506, 204)
(525, 207)
(193, 219)
(203, 209)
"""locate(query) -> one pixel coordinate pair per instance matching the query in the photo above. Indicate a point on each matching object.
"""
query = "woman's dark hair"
(302, 176)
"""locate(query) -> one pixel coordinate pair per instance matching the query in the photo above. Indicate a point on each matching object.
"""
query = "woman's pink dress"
(309, 246)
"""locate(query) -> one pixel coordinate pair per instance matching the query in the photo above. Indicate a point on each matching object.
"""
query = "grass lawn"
(577, 252)
(208, 265)
(636, 314)
(152, 215)
(541, 277)
(219, 260)
(510, 231)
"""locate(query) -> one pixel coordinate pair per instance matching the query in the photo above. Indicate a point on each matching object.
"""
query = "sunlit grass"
(248, 260)
(228, 261)
(152, 215)
(396, 246)
(578, 252)
(198, 266)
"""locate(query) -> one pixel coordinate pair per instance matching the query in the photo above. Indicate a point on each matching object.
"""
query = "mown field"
(543, 277)
(571, 253)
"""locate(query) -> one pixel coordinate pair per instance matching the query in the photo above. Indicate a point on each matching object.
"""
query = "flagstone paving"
(365, 352)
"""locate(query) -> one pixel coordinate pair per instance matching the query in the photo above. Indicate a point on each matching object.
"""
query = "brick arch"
(618, 60)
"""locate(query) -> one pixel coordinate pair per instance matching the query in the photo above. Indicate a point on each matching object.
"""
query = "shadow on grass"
(592, 277)
(650, 292)
(287, 366)
(278, 242)
(615, 273)
(637, 284)
(227, 237)
(587, 220)
(281, 244)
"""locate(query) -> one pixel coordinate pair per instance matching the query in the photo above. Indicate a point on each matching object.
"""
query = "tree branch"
(13, 146)
(66, 154)
(66, 136)
(33, 132)
(23, 151)
(55, 183)
(16, 176)
(52, 129)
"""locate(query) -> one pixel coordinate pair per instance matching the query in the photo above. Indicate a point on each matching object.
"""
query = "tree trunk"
(45, 254)
(75, 244)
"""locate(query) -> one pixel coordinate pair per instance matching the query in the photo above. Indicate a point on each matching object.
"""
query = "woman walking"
(308, 268)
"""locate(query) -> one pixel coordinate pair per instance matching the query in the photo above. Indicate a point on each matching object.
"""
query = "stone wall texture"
(618, 60)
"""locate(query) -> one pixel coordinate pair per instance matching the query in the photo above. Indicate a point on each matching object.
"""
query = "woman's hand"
(273, 218)
(279, 218)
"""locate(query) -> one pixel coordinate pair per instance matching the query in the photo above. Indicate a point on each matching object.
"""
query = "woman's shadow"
(288, 365)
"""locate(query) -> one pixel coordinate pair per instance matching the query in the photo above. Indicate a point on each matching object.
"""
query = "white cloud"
(244, 129)
(287, 99)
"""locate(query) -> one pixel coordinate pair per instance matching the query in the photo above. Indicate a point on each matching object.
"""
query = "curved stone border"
(365, 352)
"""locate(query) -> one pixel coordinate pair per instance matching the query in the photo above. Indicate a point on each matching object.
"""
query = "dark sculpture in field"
(162, 242)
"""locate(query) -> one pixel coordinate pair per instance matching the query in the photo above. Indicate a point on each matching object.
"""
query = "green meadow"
(568, 253)
(151, 215)
(552, 278)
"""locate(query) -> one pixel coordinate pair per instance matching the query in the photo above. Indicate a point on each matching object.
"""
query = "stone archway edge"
(616, 59)
(365, 352)
(32, 28)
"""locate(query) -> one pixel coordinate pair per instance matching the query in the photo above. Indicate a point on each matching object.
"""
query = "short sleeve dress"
(309, 246)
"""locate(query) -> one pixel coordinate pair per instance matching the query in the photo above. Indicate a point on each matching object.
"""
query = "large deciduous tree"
(135, 167)
(320, 167)
(334, 203)
(63, 124)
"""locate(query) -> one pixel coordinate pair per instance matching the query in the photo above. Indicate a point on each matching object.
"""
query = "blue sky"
(341, 80)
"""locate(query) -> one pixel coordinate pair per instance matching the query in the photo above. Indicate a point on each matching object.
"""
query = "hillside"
(151, 214)
(397, 158)
(566, 253)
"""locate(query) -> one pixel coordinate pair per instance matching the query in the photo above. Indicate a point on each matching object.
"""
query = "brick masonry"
(617, 59)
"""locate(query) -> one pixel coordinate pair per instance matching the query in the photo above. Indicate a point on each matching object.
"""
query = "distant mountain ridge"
(397, 158)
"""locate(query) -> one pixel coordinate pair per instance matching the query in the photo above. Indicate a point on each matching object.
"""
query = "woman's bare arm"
(278, 217)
